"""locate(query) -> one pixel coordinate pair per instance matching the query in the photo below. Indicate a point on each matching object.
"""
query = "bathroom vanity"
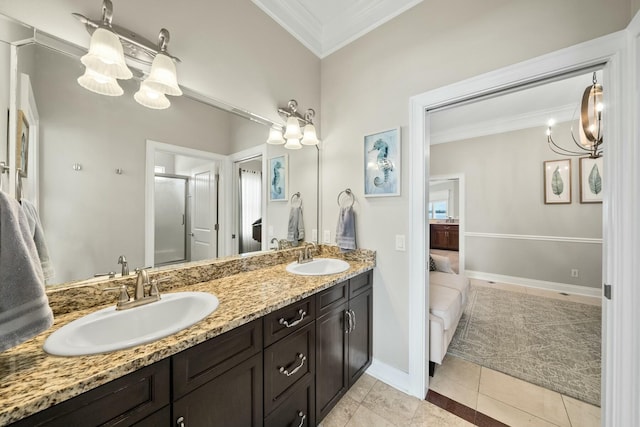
(281, 349)
(444, 236)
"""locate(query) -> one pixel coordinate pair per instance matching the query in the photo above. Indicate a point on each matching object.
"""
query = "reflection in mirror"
(250, 184)
(87, 171)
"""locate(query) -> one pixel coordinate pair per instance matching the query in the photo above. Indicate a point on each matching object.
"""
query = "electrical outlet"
(326, 237)
(314, 235)
(270, 231)
(574, 272)
(400, 242)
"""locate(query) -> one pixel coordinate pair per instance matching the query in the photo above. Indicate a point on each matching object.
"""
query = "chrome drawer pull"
(284, 371)
(349, 321)
(301, 312)
(302, 418)
(353, 316)
(180, 422)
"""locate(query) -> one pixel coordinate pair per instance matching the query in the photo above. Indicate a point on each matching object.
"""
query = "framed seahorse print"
(382, 163)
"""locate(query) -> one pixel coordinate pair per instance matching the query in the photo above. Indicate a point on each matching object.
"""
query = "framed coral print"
(557, 182)
(591, 180)
(22, 145)
(279, 178)
(382, 163)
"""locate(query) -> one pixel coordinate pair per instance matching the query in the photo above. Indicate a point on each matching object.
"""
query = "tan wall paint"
(366, 87)
(230, 50)
(504, 195)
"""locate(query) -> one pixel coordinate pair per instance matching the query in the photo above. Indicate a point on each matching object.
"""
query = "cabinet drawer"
(360, 283)
(233, 399)
(282, 322)
(332, 297)
(203, 362)
(120, 402)
(297, 410)
(287, 362)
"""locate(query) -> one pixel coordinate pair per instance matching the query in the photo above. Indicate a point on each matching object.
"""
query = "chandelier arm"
(580, 146)
(564, 151)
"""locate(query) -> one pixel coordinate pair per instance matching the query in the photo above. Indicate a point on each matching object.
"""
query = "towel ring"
(349, 193)
(293, 197)
(3, 169)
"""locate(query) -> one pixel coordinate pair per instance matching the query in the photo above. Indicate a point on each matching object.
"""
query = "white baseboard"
(389, 375)
(533, 283)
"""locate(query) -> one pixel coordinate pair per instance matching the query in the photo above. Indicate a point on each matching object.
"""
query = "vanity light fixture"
(294, 137)
(105, 61)
(590, 130)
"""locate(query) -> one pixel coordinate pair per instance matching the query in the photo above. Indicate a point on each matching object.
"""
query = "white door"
(204, 202)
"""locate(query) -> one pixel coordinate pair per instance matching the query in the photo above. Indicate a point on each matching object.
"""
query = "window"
(438, 209)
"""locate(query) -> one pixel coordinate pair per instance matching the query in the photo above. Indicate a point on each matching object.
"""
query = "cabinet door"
(360, 336)
(454, 238)
(233, 399)
(331, 359)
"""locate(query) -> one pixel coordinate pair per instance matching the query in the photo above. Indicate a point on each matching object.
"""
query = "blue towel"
(24, 307)
(295, 231)
(346, 230)
(38, 237)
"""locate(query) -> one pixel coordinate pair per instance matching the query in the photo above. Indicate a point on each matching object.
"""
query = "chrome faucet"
(305, 255)
(140, 297)
(125, 265)
(275, 239)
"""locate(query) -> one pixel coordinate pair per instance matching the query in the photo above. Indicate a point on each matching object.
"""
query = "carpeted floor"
(548, 342)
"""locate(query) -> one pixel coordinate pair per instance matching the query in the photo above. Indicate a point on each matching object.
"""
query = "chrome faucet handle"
(111, 274)
(123, 297)
(153, 291)
(125, 265)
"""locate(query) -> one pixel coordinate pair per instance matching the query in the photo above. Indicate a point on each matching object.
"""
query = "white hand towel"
(37, 232)
(24, 307)
(295, 230)
(346, 230)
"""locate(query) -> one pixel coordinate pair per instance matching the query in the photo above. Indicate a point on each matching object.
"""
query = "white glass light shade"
(162, 77)
(293, 144)
(292, 130)
(105, 55)
(151, 98)
(310, 137)
(275, 137)
(99, 83)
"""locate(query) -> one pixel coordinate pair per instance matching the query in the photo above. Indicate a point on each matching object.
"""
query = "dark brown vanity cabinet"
(274, 371)
(343, 339)
(219, 382)
(140, 398)
(289, 365)
(444, 236)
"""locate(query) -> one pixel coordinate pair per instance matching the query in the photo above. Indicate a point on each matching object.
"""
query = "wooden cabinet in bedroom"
(444, 236)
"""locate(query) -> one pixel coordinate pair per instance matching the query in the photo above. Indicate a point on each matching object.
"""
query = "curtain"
(250, 209)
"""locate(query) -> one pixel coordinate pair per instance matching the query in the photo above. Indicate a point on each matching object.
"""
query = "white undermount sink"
(318, 267)
(108, 329)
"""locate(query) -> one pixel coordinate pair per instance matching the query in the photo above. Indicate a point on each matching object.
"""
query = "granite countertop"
(32, 380)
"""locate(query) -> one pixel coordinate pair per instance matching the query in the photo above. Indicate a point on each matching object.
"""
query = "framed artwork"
(22, 145)
(591, 180)
(382, 163)
(279, 178)
(557, 181)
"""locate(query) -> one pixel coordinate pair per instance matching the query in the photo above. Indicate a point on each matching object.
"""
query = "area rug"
(552, 343)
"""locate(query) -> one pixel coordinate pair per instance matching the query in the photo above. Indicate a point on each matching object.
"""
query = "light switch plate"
(270, 231)
(326, 237)
(400, 242)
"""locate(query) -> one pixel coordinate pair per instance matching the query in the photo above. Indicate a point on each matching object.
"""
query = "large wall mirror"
(112, 178)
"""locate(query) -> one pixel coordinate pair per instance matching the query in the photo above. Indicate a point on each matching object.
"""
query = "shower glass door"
(170, 200)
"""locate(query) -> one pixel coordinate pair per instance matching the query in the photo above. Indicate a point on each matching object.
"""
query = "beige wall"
(366, 87)
(230, 50)
(504, 195)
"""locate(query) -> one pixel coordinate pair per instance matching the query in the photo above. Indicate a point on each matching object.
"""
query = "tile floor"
(372, 403)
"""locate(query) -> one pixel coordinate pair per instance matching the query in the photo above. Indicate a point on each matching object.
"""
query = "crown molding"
(354, 21)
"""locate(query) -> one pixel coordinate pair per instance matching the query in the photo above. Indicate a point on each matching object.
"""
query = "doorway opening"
(183, 195)
(250, 196)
